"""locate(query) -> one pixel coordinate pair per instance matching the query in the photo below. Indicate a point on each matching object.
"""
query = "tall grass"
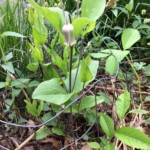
(14, 18)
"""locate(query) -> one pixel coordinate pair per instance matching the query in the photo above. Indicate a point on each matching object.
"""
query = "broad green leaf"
(52, 92)
(130, 5)
(85, 73)
(94, 145)
(133, 137)
(107, 125)
(51, 14)
(82, 26)
(89, 101)
(58, 131)
(33, 66)
(57, 60)
(47, 116)
(39, 31)
(20, 83)
(8, 56)
(129, 37)
(33, 83)
(109, 146)
(139, 111)
(8, 66)
(113, 60)
(111, 65)
(14, 34)
(9, 103)
(49, 71)
(37, 54)
(123, 104)
(92, 9)
(119, 54)
(75, 108)
(42, 133)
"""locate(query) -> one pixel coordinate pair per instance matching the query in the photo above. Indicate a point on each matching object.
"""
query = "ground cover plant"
(74, 75)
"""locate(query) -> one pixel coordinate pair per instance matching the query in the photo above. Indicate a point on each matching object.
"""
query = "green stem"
(70, 69)
(137, 76)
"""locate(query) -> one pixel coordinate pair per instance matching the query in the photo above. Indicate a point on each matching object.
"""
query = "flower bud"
(68, 31)
(143, 12)
(146, 21)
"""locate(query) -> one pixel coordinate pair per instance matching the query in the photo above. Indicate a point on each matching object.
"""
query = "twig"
(26, 141)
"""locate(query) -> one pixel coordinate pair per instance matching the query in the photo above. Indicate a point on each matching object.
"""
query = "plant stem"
(70, 69)
(138, 79)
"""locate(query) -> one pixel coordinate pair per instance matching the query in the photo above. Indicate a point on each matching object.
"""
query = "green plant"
(66, 53)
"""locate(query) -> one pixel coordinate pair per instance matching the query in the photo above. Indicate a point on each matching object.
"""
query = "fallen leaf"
(53, 141)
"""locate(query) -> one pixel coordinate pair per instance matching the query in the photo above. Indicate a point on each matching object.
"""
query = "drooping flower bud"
(68, 31)
(143, 12)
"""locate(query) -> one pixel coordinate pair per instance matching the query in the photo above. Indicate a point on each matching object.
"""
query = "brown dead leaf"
(68, 140)
(53, 141)
(28, 148)
(86, 147)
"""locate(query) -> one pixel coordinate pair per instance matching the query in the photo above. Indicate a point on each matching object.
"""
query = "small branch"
(26, 141)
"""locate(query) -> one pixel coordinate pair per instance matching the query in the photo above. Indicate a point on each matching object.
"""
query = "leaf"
(33, 66)
(109, 146)
(139, 111)
(130, 5)
(14, 34)
(20, 83)
(129, 37)
(147, 98)
(133, 137)
(82, 26)
(94, 145)
(111, 65)
(147, 70)
(42, 133)
(122, 104)
(37, 54)
(92, 9)
(107, 125)
(40, 107)
(89, 101)
(8, 66)
(58, 131)
(39, 31)
(52, 92)
(112, 61)
(53, 16)
(99, 55)
(31, 107)
(85, 73)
